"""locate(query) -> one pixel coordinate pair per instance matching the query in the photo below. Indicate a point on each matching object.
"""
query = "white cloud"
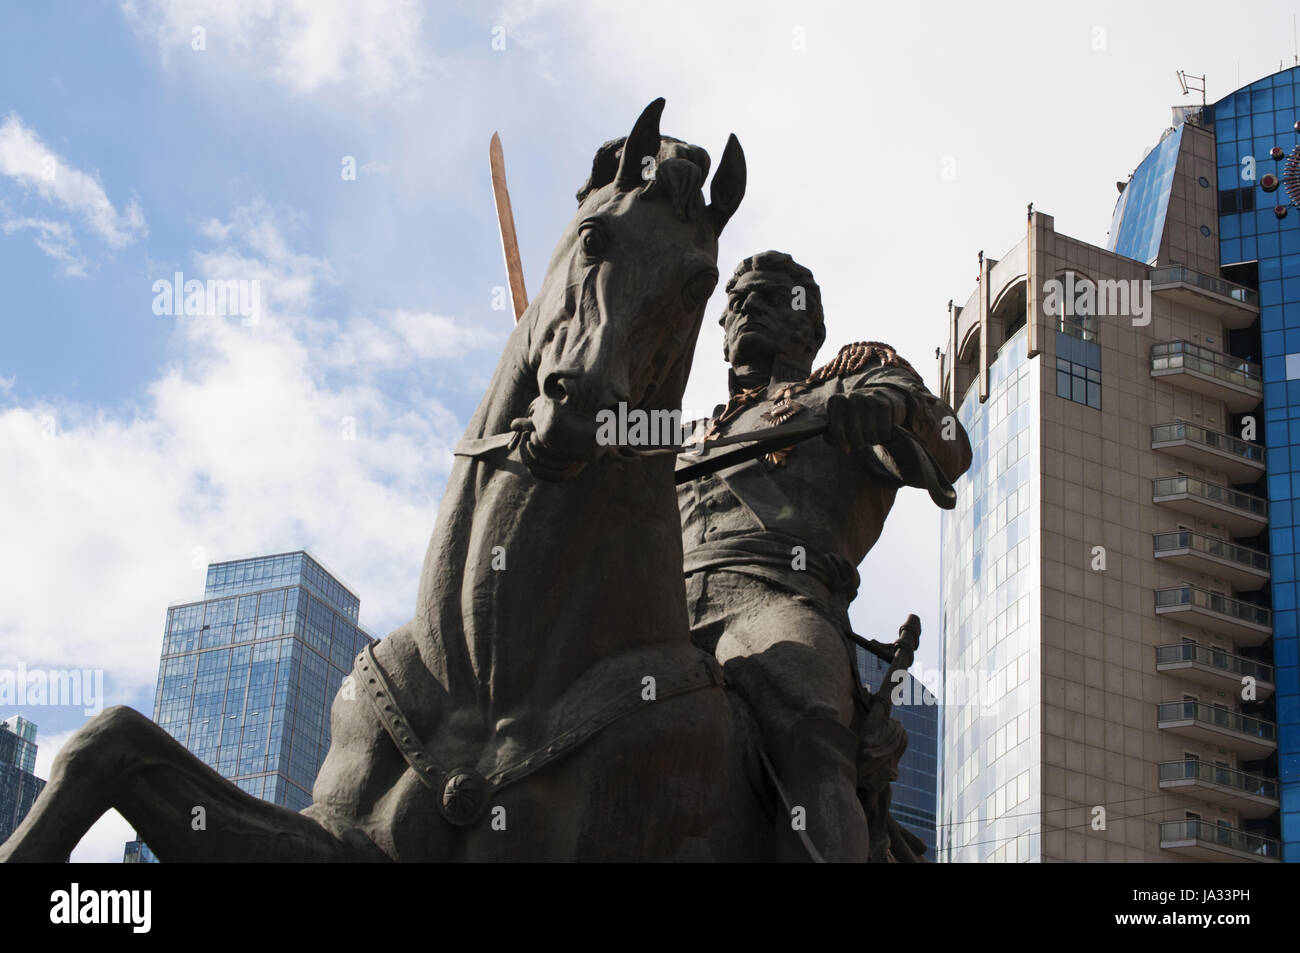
(372, 48)
(47, 746)
(253, 245)
(104, 842)
(53, 238)
(33, 166)
(403, 338)
(256, 245)
(241, 446)
(215, 230)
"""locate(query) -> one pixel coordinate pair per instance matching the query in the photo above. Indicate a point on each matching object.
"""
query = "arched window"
(1071, 298)
(1011, 311)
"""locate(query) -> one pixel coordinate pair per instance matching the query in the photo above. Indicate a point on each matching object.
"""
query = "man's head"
(774, 308)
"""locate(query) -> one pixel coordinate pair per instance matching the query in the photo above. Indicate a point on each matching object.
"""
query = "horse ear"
(728, 186)
(644, 141)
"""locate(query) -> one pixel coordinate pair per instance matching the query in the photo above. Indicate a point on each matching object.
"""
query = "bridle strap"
(479, 446)
(679, 670)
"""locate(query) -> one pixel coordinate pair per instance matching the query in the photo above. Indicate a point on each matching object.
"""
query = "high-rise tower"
(1118, 576)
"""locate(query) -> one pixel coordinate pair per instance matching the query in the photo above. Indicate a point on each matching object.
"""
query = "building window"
(1293, 367)
(1237, 200)
(1078, 383)
(1082, 327)
(1078, 370)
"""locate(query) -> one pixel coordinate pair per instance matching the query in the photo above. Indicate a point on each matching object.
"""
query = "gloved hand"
(861, 420)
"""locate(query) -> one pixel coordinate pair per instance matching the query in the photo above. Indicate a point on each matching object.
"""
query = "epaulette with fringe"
(851, 359)
(860, 356)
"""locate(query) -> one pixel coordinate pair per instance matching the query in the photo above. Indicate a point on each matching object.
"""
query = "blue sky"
(134, 446)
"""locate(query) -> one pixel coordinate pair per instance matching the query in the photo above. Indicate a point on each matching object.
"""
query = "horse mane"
(680, 171)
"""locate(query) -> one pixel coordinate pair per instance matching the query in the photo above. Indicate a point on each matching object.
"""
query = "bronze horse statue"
(545, 702)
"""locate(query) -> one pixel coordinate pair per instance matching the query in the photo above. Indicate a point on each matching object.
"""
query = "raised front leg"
(182, 808)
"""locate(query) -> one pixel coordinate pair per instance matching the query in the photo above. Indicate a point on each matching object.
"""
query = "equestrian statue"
(547, 701)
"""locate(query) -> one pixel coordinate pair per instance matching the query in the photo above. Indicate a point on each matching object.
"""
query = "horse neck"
(592, 566)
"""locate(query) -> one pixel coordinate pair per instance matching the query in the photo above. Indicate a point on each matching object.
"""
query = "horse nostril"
(553, 387)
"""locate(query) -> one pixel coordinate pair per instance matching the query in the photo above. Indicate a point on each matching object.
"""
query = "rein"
(478, 446)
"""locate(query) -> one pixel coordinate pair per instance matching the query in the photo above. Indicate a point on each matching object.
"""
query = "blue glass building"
(248, 674)
(1109, 569)
(915, 791)
(19, 785)
(1254, 130)
(1139, 219)
(991, 775)
(1261, 250)
(138, 852)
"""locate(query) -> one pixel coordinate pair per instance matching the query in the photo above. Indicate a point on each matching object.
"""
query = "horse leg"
(182, 808)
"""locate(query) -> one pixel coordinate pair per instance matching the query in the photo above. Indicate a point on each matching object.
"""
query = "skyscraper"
(19, 785)
(1117, 583)
(249, 673)
(915, 792)
(1255, 131)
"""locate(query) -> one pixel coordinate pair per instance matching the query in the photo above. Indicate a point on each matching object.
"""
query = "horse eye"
(592, 239)
(699, 288)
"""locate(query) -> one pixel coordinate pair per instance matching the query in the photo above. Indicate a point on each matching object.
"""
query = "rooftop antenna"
(1186, 83)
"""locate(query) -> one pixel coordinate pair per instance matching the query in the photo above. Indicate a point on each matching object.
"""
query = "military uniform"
(771, 548)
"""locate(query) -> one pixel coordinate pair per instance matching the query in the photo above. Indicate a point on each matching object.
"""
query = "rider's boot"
(820, 775)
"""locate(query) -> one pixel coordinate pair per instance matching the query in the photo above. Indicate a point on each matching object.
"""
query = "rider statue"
(771, 546)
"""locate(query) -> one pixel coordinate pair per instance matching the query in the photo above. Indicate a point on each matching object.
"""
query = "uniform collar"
(783, 371)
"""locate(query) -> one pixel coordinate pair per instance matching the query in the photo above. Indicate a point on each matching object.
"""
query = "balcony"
(1240, 513)
(1201, 840)
(1235, 382)
(1235, 306)
(1248, 794)
(1242, 461)
(1245, 568)
(1214, 668)
(1246, 624)
(1251, 738)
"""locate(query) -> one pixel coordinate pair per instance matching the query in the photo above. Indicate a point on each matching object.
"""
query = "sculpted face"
(616, 320)
(761, 322)
(617, 315)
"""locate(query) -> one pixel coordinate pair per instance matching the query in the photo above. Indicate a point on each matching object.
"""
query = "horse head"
(620, 307)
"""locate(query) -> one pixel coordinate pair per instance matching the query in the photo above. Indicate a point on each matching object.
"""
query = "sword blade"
(506, 223)
(777, 438)
(764, 441)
